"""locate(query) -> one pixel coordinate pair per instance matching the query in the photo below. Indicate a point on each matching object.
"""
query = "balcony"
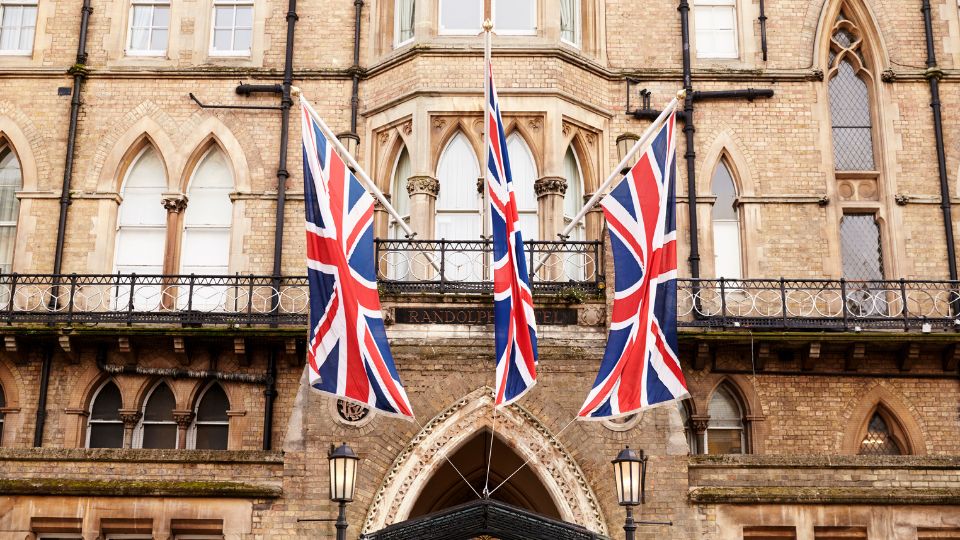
(572, 271)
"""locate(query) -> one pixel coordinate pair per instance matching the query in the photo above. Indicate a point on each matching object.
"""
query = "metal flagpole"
(357, 169)
(487, 69)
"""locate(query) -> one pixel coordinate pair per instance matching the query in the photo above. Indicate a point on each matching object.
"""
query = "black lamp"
(630, 471)
(343, 480)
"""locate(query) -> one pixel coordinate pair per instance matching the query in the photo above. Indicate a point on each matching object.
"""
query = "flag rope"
(469, 485)
(493, 434)
(487, 54)
(524, 464)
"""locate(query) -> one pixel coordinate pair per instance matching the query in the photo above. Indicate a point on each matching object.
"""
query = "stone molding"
(427, 450)
(174, 202)
(550, 185)
(423, 185)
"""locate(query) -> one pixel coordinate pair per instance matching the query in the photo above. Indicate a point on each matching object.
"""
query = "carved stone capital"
(423, 185)
(183, 418)
(550, 185)
(130, 417)
(700, 423)
(174, 202)
(378, 205)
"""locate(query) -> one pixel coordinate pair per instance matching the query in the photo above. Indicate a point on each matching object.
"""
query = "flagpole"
(487, 69)
(616, 174)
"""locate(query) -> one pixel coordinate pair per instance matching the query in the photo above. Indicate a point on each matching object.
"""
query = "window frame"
(129, 50)
(20, 3)
(5, 150)
(742, 408)
(233, 53)
(93, 401)
(138, 432)
(533, 18)
(192, 433)
(443, 31)
(397, 27)
(727, 164)
(735, 6)
(577, 25)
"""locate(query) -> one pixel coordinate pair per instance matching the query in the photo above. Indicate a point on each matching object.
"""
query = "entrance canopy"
(484, 517)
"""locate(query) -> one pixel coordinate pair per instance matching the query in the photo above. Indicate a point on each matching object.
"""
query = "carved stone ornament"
(428, 185)
(700, 423)
(534, 124)
(439, 123)
(174, 202)
(130, 418)
(183, 418)
(383, 137)
(550, 185)
(427, 451)
(407, 127)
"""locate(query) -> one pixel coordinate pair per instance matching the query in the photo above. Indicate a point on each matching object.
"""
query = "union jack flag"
(347, 353)
(514, 323)
(640, 368)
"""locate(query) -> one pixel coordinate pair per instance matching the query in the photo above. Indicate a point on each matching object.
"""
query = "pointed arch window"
(883, 436)
(157, 427)
(458, 204)
(105, 428)
(726, 224)
(211, 425)
(399, 196)
(573, 198)
(688, 431)
(11, 180)
(523, 169)
(725, 431)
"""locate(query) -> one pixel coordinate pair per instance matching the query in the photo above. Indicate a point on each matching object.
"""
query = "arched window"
(211, 424)
(725, 433)
(142, 223)
(523, 170)
(458, 204)
(883, 436)
(157, 427)
(726, 224)
(207, 219)
(105, 428)
(688, 430)
(573, 198)
(399, 196)
(11, 180)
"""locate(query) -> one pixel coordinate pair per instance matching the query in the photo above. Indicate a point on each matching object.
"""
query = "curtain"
(140, 28)
(568, 21)
(405, 15)
(9, 206)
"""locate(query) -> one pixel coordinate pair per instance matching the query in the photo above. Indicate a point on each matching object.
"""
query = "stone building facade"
(151, 377)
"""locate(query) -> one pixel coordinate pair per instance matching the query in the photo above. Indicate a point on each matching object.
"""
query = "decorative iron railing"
(450, 266)
(819, 304)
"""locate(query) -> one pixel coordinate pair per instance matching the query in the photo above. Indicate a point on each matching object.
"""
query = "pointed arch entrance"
(420, 481)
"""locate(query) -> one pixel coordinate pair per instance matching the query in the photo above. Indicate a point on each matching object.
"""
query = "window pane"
(461, 14)
(158, 41)
(716, 31)
(28, 25)
(724, 411)
(139, 39)
(221, 40)
(850, 113)
(159, 436)
(107, 403)
(161, 17)
(523, 170)
(879, 441)
(724, 441)
(514, 15)
(860, 247)
(213, 406)
(223, 16)
(726, 247)
(405, 17)
(244, 17)
(570, 21)
(106, 435)
(242, 40)
(3, 399)
(211, 437)
(140, 248)
(725, 191)
(160, 405)
(206, 247)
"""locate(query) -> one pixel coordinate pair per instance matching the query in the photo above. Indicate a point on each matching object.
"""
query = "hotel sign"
(477, 316)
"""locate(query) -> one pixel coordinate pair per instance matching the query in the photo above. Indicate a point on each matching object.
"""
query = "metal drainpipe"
(763, 30)
(270, 392)
(42, 399)
(355, 68)
(689, 130)
(933, 75)
(79, 72)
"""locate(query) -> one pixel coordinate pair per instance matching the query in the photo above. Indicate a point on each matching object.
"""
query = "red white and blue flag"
(515, 326)
(640, 367)
(347, 352)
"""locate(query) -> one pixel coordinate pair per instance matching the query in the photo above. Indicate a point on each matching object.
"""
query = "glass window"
(852, 127)
(523, 170)
(860, 247)
(726, 225)
(211, 425)
(879, 441)
(461, 16)
(515, 16)
(10, 181)
(570, 21)
(104, 428)
(157, 428)
(725, 430)
(459, 203)
(18, 23)
(399, 196)
(575, 265)
(403, 17)
(149, 28)
(232, 28)
(715, 23)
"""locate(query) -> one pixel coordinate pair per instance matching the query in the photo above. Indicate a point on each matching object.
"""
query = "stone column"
(593, 230)
(130, 418)
(423, 192)
(550, 191)
(175, 204)
(381, 230)
(700, 424)
(183, 420)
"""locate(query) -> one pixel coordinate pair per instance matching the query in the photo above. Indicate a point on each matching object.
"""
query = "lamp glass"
(343, 474)
(627, 470)
(624, 143)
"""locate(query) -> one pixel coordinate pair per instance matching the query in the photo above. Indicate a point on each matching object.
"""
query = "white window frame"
(577, 27)
(441, 30)
(192, 433)
(138, 433)
(20, 3)
(233, 29)
(130, 51)
(733, 4)
(396, 25)
(93, 401)
(16, 221)
(533, 17)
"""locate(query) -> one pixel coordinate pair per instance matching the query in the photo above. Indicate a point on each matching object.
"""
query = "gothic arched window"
(883, 436)
(105, 428)
(399, 196)
(208, 217)
(725, 431)
(726, 225)
(157, 427)
(11, 180)
(142, 222)
(211, 425)
(573, 198)
(458, 204)
(523, 169)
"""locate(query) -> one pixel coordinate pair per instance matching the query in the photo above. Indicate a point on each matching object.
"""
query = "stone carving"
(407, 127)
(439, 123)
(858, 190)
(130, 418)
(174, 202)
(427, 185)
(591, 316)
(550, 185)
(183, 418)
(565, 128)
(534, 124)
(426, 452)
(383, 137)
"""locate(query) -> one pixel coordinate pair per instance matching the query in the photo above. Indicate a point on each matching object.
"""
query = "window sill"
(136, 455)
